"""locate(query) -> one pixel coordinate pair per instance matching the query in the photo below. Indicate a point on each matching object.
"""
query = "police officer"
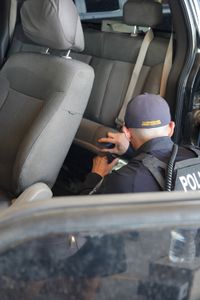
(148, 129)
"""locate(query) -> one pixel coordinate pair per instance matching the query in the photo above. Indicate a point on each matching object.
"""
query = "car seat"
(42, 98)
(113, 55)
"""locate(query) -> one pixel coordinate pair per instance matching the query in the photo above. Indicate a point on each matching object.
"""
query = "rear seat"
(113, 56)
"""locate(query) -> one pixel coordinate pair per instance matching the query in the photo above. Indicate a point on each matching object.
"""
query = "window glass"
(132, 264)
(99, 9)
(101, 5)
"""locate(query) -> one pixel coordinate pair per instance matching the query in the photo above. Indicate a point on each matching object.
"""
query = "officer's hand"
(120, 141)
(101, 165)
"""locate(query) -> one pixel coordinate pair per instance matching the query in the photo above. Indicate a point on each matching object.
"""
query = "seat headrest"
(53, 23)
(145, 13)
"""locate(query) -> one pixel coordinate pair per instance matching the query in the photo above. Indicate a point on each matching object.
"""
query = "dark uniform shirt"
(134, 177)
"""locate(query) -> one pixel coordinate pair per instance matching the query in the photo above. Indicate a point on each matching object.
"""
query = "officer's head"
(147, 116)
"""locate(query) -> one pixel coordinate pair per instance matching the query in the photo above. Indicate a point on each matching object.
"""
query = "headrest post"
(135, 31)
(67, 56)
(47, 51)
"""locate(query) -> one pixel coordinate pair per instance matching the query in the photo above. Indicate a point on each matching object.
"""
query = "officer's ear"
(171, 128)
(127, 132)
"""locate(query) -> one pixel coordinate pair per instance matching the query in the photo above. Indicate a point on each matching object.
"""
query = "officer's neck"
(136, 142)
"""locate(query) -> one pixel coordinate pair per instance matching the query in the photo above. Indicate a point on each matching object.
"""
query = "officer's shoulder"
(187, 152)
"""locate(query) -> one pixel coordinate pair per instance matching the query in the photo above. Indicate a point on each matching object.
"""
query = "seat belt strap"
(135, 75)
(166, 67)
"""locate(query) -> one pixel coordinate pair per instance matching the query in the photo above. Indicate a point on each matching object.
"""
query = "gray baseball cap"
(147, 111)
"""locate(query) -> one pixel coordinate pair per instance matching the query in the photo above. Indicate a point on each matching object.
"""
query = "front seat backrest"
(42, 97)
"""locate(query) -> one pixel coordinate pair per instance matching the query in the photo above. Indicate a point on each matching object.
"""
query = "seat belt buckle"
(119, 123)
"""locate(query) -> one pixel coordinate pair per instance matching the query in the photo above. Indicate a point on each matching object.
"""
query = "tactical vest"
(179, 176)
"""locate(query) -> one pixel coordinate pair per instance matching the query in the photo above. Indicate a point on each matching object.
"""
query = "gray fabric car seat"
(113, 56)
(8, 13)
(42, 98)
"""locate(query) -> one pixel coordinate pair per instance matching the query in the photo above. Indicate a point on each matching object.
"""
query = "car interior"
(42, 96)
(39, 141)
(112, 48)
(64, 79)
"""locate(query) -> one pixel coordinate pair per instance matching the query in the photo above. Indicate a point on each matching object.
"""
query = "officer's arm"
(91, 181)
(116, 183)
(101, 167)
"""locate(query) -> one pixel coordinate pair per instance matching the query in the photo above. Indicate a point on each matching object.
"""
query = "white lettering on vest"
(184, 183)
(190, 182)
(196, 180)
